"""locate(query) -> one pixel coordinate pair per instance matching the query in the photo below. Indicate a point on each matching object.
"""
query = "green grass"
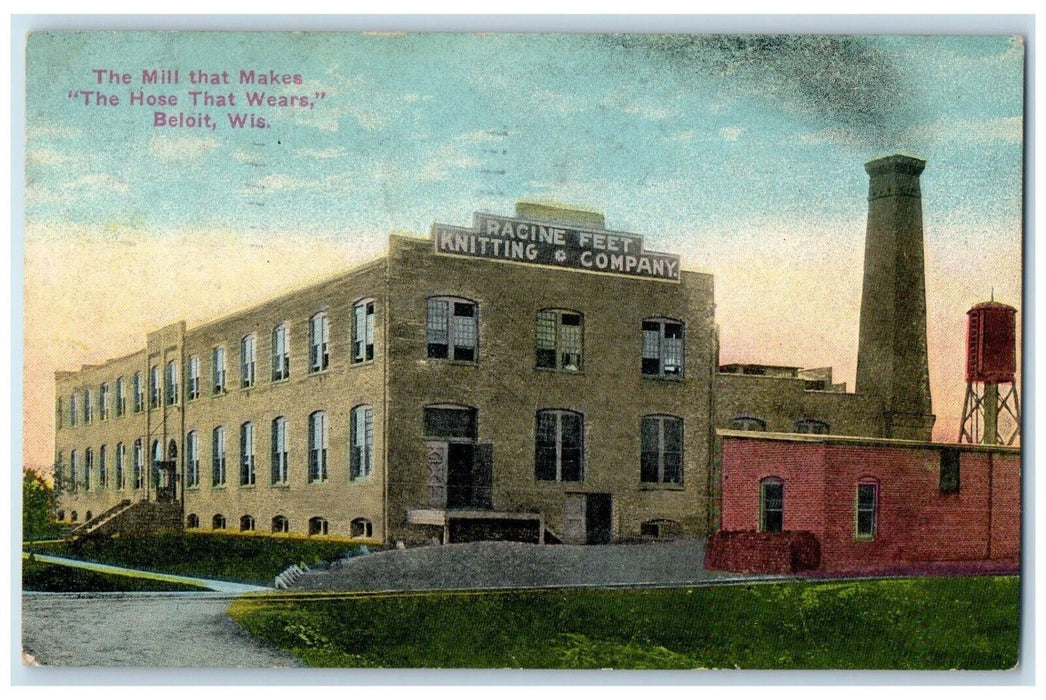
(54, 578)
(225, 557)
(926, 623)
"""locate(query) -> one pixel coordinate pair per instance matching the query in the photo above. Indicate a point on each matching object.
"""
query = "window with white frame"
(452, 329)
(121, 397)
(771, 505)
(218, 370)
(192, 460)
(247, 360)
(88, 468)
(247, 523)
(218, 522)
(172, 383)
(74, 411)
(137, 464)
(361, 527)
(247, 454)
(121, 461)
(663, 348)
(866, 510)
(661, 460)
(103, 401)
(139, 392)
(319, 339)
(280, 524)
(558, 340)
(192, 378)
(281, 353)
(155, 389)
(279, 451)
(103, 471)
(559, 445)
(363, 331)
(88, 405)
(318, 447)
(218, 456)
(361, 442)
(74, 471)
(317, 526)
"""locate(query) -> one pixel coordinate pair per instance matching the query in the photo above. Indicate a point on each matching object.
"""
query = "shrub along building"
(532, 377)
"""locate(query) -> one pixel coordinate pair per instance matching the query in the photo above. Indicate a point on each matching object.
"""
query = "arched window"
(747, 423)
(218, 522)
(155, 389)
(247, 454)
(218, 456)
(139, 392)
(361, 442)
(103, 472)
(247, 360)
(363, 330)
(319, 341)
(60, 515)
(661, 456)
(121, 457)
(361, 527)
(811, 426)
(280, 524)
(74, 471)
(771, 505)
(281, 352)
(157, 451)
(317, 526)
(866, 509)
(559, 445)
(452, 329)
(192, 377)
(88, 468)
(218, 370)
(663, 348)
(192, 521)
(318, 447)
(192, 460)
(279, 451)
(246, 523)
(558, 339)
(137, 464)
(103, 401)
(88, 516)
(74, 517)
(171, 388)
(88, 405)
(121, 397)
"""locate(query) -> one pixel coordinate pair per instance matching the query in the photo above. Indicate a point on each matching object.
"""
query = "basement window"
(218, 522)
(949, 477)
(317, 526)
(280, 524)
(192, 521)
(247, 524)
(361, 527)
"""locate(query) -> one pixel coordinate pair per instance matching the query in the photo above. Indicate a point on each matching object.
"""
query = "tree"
(37, 506)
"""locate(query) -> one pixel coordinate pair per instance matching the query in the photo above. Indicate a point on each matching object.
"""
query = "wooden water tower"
(991, 413)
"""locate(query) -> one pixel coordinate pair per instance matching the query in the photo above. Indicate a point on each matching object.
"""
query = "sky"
(742, 153)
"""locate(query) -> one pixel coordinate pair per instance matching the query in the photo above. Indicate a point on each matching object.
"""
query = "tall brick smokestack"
(892, 359)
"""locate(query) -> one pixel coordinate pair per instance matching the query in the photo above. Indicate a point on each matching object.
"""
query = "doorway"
(588, 518)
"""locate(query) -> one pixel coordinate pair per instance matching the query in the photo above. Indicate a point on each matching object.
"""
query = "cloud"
(320, 153)
(95, 183)
(47, 156)
(280, 181)
(40, 129)
(967, 131)
(731, 133)
(680, 136)
(181, 148)
(415, 97)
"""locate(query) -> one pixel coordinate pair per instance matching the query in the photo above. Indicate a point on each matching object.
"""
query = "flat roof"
(829, 439)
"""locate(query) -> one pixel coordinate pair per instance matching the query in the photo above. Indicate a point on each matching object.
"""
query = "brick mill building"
(536, 377)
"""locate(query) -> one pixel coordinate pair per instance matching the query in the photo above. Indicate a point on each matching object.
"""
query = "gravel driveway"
(135, 629)
(513, 564)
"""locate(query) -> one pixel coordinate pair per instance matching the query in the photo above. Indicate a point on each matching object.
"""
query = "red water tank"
(991, 343)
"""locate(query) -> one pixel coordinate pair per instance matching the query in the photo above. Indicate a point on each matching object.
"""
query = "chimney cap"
(897, 162)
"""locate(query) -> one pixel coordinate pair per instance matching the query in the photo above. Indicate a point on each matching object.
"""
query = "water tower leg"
(991, 415)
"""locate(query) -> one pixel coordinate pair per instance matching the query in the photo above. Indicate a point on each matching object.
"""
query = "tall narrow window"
(88, 405)
(192, 460)
(661, 460)
(867, 507)
(247, 344)
(318, 447)
(74, 414)
(172, 383)
(279, 451)
(74, 471)
(663, 348)
(121, 461)
(451, 329)
(559, 446)
(137, 460)
(363, 331)
(361, 442)
(247, 454)
(59, 416)
(558, 340)
(281, 353)
(949, 476)
(218, 456)
(103, 471)
(218, 370)
(771, 505)
(139, 392)
(121, 397)
(319, 337)
(154, 386)
(103, 401)
(192, 378)
(88, 468)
